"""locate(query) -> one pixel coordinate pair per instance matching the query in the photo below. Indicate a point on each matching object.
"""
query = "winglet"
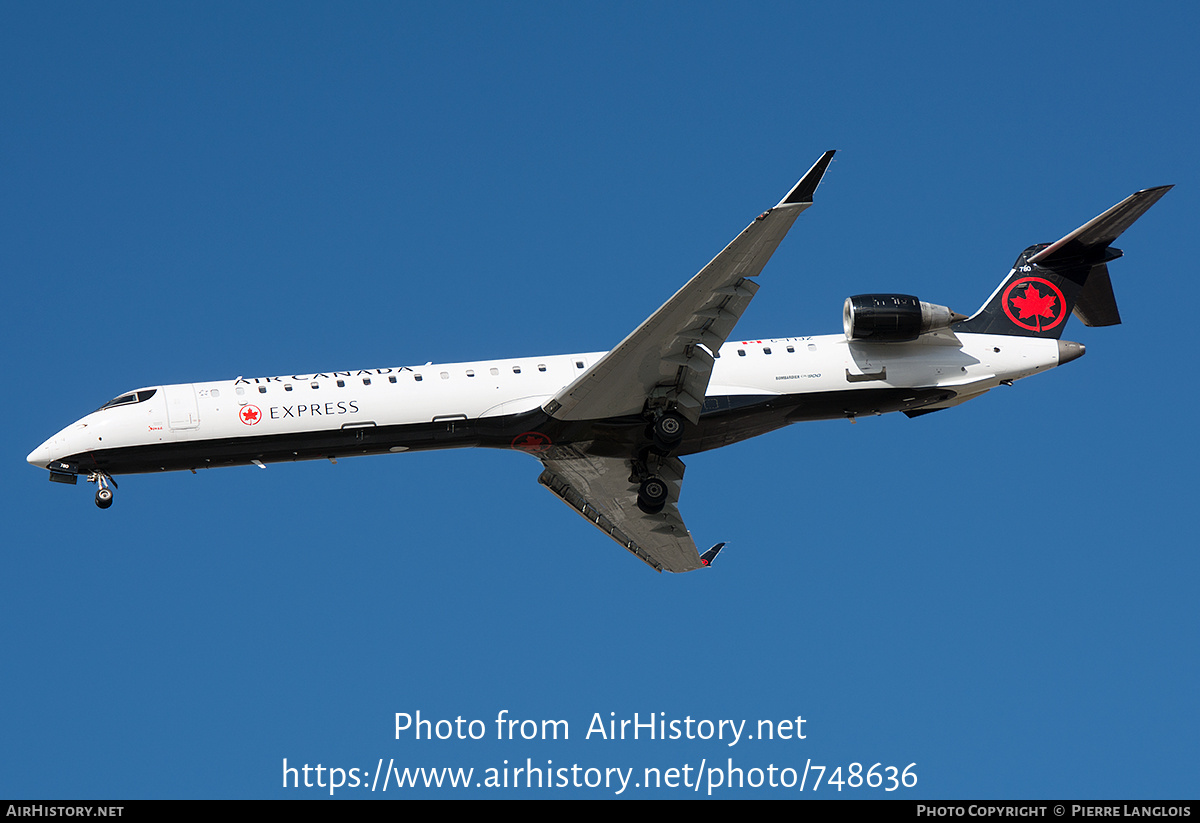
(802, 192)
(709, 556)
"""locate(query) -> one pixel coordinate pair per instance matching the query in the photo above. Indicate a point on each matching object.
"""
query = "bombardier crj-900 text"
(610, 427)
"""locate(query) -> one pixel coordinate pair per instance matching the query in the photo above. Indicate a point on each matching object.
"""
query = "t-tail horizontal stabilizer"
(709, 556)
(1051, 280)
(1090, 240)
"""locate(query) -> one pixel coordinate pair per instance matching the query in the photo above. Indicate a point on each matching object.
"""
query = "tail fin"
(1050, 280)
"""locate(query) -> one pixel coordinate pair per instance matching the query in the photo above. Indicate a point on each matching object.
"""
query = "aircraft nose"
(48, 452)
(40, 456)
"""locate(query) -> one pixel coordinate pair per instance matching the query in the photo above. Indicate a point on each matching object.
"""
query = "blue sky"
(1003, 594)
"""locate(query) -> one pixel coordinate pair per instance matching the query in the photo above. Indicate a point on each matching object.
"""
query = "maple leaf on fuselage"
(1034, 304)
(532, 443)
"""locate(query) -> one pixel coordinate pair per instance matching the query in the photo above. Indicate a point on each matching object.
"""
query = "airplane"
(610, 428)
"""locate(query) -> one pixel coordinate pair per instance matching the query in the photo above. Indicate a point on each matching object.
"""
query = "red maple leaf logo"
(249, 415)
(1038, 308)
(532, 442)
(1034, 304)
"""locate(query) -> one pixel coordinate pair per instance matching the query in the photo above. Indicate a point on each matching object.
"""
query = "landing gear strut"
(104, 495)
(653, 461)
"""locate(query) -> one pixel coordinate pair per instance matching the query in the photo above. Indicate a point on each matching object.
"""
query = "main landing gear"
(666, 433)
(104, 495)
(652, 495)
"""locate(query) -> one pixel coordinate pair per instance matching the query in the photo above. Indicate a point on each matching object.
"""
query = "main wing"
(667, 361)
(599, 489)
(669, 357)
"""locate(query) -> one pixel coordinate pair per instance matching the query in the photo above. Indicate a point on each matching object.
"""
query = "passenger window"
(741, 352)
(470, 372)
(392, 378)
(494, 371)
(366, 381)
(791, 349)
(341, 384)
(287, 387)
(240, 390)
(262, 389)
(541, 366)
(418, 378)
(215, 393)
(516, 369)
(766, 349)
(445, 375)
(315, 384)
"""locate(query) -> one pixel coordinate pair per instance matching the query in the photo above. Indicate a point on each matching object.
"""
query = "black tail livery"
(1050, 280)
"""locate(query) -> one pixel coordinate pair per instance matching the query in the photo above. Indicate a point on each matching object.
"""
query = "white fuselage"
(307, 403)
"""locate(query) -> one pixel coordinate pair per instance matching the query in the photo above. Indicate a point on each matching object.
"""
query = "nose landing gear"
(104, 495)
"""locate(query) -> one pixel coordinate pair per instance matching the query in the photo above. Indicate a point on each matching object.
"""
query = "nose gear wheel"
(104, 495)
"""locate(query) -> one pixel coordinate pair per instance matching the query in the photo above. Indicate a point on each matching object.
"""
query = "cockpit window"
(128, 399)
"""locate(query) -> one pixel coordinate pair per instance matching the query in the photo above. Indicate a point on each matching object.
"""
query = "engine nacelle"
(893, 318)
